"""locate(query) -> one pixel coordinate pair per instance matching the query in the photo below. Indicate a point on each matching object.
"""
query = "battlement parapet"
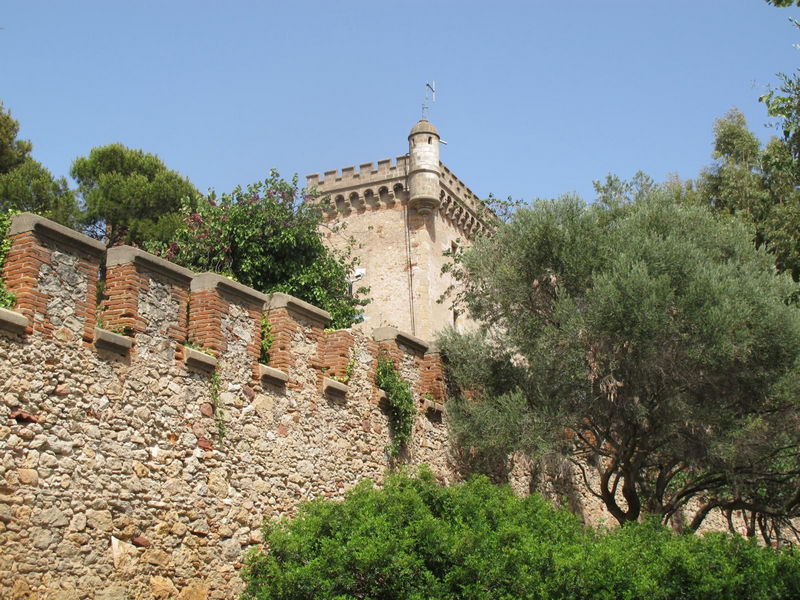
(462, 207)
(278, 300)
(458, 189)
(55, 232)
(384, 334)
(367, 173)
(386, 187)
(158, 305)
(123, 255)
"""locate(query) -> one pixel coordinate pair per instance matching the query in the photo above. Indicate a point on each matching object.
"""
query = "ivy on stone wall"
(7, 299)
(265, 342)
(401, 403)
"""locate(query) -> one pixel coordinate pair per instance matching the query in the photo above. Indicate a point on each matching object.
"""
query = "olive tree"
(645, 340)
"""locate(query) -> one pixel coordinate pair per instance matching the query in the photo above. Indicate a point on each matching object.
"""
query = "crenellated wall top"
(383, 186)
(122, 255)
(141, 427)
(385, 171)
(149, 296)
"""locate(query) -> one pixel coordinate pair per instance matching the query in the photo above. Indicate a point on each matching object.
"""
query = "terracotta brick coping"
(25, 222)
(125, 255)
(386, 334)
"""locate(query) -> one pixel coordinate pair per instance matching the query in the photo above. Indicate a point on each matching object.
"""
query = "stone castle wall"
(136, 466)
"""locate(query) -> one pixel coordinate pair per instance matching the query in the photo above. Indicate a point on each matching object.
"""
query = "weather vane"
(429, 87)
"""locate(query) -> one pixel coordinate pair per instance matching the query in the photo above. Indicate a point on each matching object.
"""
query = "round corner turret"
(423, 175)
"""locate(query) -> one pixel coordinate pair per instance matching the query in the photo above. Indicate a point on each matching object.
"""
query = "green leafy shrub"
(7, 299)
(265, 237)
(402, 409)
(415, 539)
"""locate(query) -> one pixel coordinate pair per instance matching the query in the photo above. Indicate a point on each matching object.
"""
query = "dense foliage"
(757, 184)
(265, 237)
(402, 408)
(130, 196)
(783, 3)
(26, 185)
(649, 341)
(416, 539)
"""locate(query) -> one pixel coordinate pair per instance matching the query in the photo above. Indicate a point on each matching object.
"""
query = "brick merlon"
(214, 281)
(25, 222)
(292, 304)
(385, 334)
(124, 255)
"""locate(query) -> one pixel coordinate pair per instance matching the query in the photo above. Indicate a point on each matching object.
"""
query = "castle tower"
(404, 215)
(423, 174)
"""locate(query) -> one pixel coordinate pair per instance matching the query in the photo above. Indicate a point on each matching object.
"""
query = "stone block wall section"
(128, 470)
(48, 262)
(129, 272)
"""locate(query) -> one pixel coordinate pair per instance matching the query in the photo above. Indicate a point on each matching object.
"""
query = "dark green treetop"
(130, 196)
(26, 185)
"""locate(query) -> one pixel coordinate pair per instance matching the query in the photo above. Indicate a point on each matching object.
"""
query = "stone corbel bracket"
(12, 321)
(383, 400)
(433, 407)
(199, 361)
(272, 375)
(334, 389)
(108, 340)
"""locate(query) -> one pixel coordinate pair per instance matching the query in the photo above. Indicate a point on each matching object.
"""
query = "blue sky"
(534, 98)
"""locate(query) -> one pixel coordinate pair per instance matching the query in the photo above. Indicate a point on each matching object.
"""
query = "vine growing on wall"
(348, 373)
(402, 409)
(215, 386)
(265, 343)
(219, 411)
(7, 299)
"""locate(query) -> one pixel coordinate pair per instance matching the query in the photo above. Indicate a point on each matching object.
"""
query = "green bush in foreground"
(415, 539)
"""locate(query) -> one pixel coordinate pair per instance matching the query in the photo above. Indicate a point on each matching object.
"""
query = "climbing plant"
(401, 403)
(265, 343)
(7, 299)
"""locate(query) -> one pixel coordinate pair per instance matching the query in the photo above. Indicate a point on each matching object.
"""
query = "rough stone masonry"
(137, 466)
